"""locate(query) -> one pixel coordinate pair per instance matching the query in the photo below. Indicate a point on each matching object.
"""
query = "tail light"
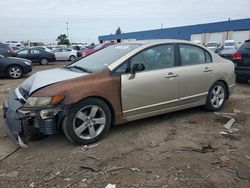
(237, 56)
(11, 52)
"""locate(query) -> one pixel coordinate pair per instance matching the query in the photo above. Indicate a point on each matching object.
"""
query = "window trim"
(187, 44)
(176, 58)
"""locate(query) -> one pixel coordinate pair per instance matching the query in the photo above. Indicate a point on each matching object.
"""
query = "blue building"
(238, 30)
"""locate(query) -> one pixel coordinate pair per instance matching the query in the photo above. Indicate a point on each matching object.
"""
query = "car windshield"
(105, 57)
(211, 44)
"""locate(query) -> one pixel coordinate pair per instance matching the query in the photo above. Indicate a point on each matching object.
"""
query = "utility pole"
(67, 23)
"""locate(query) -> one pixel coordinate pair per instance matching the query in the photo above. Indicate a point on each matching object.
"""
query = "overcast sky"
(44, 20)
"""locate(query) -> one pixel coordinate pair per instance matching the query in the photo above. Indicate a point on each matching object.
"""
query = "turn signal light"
(56, 99)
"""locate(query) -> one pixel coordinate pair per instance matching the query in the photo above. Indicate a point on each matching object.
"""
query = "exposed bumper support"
(14, 116)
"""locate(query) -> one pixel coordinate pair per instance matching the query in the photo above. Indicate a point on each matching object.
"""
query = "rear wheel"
(87, 121)
(44, 61)
(72, 58)
(15, 71)
(216, 97)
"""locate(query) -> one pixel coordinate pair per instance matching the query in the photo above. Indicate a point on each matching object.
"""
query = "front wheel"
(15, 72)
(216, 97)
(87, 121)
(72, 58)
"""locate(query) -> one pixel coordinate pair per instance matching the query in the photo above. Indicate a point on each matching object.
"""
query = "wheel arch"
(7, 68)
(106, 101)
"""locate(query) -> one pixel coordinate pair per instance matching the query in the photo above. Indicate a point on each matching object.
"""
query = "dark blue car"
(14, 67)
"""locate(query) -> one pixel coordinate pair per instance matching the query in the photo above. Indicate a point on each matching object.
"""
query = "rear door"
(58, 54)
(196, 73)
(153, 90)
(35, 55)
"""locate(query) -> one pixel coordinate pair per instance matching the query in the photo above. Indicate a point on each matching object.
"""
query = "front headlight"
(36, 102)
(27, 62)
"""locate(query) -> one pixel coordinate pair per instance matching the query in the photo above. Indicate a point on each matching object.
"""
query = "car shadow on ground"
(125, 128)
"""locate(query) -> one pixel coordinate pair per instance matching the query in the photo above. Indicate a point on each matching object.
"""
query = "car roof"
(159, 41)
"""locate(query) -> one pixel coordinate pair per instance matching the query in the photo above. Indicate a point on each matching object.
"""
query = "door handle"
(171, 75)
(207, 69)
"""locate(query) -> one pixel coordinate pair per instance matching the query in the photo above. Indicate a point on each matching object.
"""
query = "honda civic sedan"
(121, 83)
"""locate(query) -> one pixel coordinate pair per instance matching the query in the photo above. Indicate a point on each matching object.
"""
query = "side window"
(34, 51)
(58, 50)
(122, 68)
(23, 52)
(208, 57)
(158, 57)
(191, 55)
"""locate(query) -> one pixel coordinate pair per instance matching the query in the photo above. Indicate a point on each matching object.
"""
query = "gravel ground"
(181, 149)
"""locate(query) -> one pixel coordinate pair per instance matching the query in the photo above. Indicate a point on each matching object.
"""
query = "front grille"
(24, 93)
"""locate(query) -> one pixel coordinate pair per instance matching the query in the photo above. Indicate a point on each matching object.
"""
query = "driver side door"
(154, 90)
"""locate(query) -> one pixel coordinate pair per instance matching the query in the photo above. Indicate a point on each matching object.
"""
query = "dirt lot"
(163, 151)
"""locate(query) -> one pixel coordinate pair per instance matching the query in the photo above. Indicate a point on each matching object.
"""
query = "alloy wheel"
(217, 96)
(15, 72)
(89, 122)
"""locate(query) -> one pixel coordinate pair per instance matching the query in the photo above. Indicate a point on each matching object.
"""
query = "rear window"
(244, 47)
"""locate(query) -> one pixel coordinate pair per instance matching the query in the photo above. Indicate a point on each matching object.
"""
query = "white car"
(65, 54)
(230, 44)
(13, 43)
(213, 45)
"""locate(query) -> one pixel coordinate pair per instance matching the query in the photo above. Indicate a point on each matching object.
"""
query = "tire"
(44, 61)
(72, 58)
(81, 127)
(216, 96)
(15, 72)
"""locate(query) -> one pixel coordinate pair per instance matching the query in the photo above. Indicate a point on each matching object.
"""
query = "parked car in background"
(213, 45)
(197, 42)
(13, 43)
(15, 49)
(230, 44)
(14, 67)
(42, 48)
(96, 48)
(36, 56)
(227, 53)
(6, 50)
(66, 54)
(241, 58)
(121, 83)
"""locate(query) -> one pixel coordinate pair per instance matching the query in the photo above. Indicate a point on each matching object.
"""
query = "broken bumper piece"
(13, 118)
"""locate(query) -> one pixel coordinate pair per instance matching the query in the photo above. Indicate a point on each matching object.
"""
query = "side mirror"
(137, 68)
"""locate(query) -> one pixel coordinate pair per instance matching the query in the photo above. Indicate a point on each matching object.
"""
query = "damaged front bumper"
(15, 117)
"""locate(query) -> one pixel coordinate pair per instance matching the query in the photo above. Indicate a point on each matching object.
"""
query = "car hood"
(18, 58)
(48, 77)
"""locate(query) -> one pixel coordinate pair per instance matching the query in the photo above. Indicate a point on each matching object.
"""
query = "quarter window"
(192, 55)
(158, 57)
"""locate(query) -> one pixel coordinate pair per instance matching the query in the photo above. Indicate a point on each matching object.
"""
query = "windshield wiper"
(79, 68)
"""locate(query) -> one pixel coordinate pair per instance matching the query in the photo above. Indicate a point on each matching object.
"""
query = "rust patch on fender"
(99, 84)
